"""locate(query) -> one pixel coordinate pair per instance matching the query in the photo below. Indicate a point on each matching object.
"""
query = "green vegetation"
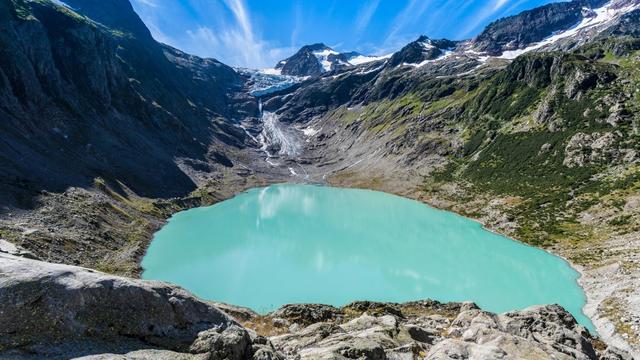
(499, 161)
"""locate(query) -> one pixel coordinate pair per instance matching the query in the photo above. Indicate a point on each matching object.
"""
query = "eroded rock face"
(531, 26)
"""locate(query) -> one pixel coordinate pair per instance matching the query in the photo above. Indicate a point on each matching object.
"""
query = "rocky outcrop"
(49, 303)
(314, 60)
(305, 62)
(431, 330)
(628, 25)
(12, 249)
(596, 148)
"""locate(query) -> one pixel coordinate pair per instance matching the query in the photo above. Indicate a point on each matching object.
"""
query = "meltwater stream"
(313, 244)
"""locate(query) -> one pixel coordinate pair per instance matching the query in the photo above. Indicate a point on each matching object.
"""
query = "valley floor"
(108, 231)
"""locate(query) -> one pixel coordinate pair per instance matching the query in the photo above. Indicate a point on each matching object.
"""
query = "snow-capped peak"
(316, 59)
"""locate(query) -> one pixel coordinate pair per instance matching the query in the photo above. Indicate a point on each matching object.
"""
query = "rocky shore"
(62, 311)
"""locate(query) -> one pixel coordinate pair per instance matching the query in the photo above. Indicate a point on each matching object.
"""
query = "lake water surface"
(314, 244)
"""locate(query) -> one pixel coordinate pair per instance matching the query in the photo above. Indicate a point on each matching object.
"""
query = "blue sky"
(258, 33)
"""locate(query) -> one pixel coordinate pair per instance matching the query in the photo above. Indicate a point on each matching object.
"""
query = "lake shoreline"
(233, 187)
(160, 243)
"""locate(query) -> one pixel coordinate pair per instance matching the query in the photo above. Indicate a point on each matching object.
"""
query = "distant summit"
(316, 59)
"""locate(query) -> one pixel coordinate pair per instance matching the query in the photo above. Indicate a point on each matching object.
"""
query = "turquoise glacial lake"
(313, 244)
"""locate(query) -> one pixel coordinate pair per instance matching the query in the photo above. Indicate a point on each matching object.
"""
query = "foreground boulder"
(52, 310)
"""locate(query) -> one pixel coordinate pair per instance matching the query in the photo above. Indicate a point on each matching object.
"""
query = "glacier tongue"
(267, 81)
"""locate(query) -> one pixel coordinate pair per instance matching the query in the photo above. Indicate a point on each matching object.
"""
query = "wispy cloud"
(150, 3)
(490, 9)
(237, 42)
(241, 39)
(499, 4)
(405, 18)
(297, 26)
(365, 14)
(221, 29)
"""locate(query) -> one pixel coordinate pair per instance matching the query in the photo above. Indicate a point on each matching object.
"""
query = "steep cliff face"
(531, 26)
(88, 93)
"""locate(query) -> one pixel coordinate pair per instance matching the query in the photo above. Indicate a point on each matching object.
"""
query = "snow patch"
(480, 56)
(601, 16)
(363, 59)
(323, 58)
(427, 45)
(309, 132)
(446, 54)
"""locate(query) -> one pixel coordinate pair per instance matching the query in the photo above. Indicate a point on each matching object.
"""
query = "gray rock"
(145, 355)
(430, 330)
(232, 343)
(49, 303)
(306, 314)
(12, 249)
(595, 148)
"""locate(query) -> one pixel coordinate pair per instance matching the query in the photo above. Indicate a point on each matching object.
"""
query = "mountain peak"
(315, 47)
(422, 49)
(316, 59)
(114, 14)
